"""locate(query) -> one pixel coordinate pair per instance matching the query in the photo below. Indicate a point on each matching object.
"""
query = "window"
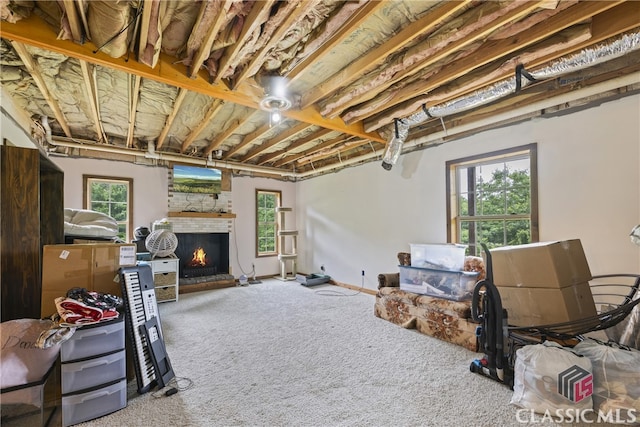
(111, 196)
(493, 199)
(267, 222)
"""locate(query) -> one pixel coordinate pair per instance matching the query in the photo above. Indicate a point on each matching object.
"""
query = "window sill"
(201, 215)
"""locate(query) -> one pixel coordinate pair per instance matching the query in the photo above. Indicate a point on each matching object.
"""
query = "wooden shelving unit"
(201, 215)
(283, 256)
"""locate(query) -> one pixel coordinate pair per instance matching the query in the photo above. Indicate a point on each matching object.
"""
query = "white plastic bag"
(549, 378)
(616, 376)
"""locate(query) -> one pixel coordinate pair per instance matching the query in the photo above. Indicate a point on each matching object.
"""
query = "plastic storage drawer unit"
(89, 341)
(77, 408)
(93, 372)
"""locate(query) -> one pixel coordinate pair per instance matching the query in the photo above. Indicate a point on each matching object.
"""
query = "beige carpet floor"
(281, 354)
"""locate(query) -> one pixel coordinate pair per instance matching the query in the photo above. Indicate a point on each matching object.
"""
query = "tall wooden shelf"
(283, 255)
(32, 215)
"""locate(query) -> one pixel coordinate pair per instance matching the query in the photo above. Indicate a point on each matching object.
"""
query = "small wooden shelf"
(201, 215)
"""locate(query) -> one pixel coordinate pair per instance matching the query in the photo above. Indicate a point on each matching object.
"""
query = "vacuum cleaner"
(493, 332)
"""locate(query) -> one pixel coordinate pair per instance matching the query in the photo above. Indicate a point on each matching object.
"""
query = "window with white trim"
(493, 199)
(112, 196)
(267, 222)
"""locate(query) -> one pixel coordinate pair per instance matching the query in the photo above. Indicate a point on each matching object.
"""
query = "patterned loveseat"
(444, 319)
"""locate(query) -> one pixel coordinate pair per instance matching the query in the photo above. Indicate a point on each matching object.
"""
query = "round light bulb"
(275, 116)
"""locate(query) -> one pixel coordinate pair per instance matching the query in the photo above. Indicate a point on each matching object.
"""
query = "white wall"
(358, 219)
(150, 201)
(150, 185)
(243, 190)
(13, 122)
(589, 188)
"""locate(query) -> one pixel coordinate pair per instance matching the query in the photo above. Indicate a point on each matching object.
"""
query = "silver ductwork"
(586, 58)
(394, 148)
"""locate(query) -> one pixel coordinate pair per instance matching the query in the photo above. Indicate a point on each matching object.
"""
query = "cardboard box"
(540, 265)
(542, 306)
(91, 266)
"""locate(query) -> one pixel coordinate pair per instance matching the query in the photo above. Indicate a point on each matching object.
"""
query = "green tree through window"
(492, 199)
(111, 196)
(267, 222)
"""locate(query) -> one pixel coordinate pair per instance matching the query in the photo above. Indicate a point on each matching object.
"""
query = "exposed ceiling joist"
(333, 150)
(74, 20)
(283, 137)
(220, 138)
(134, 94)
(92, 98)
(214, 109)
(485, 25)
(494, 50)
(35, 32)
(372, 59)
(247, 140)
(33, 68)
(187, 78)
(296, 156)
(259, 13)
(210, 11)
(292, 15)
(299, 143)
(172, 116)
(364, 10)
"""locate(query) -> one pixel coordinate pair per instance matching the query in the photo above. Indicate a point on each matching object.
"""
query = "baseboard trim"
(220, 284)
(354, 288)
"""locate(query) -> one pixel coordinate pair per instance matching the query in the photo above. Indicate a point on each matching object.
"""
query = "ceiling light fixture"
(275, 99)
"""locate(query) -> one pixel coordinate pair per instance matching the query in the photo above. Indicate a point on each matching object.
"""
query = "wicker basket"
(166, 293)
(164, 279)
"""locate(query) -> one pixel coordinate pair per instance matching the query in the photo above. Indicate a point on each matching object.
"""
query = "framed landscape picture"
(194, 179)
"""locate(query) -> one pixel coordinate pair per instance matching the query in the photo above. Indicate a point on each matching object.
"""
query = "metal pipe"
(90, 145)
(568, 98)
(586, 58)
(44, 120)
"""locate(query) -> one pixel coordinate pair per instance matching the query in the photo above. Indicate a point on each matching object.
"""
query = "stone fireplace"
(203, 225)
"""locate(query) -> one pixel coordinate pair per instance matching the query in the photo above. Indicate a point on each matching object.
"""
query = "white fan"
(161, 243)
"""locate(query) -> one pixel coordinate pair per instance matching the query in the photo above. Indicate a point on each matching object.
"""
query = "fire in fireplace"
(203, 254)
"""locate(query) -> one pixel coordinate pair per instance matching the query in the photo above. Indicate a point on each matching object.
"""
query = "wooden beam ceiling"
(364, 12)
(88, 75)
(480, 31)
(38, 78)
(35, 32)
(372, 59)
(172, 116)
(214, 109)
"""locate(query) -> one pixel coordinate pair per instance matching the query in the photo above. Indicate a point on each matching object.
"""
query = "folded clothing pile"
(81, 307)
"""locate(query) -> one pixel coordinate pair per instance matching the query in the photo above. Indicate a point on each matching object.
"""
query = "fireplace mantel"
(201, 215)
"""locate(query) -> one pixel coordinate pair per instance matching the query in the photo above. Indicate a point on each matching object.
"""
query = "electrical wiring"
(175, 385)
(334, 293)
(235, 244)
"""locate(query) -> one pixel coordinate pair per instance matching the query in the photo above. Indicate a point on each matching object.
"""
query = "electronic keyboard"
(141, 306)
